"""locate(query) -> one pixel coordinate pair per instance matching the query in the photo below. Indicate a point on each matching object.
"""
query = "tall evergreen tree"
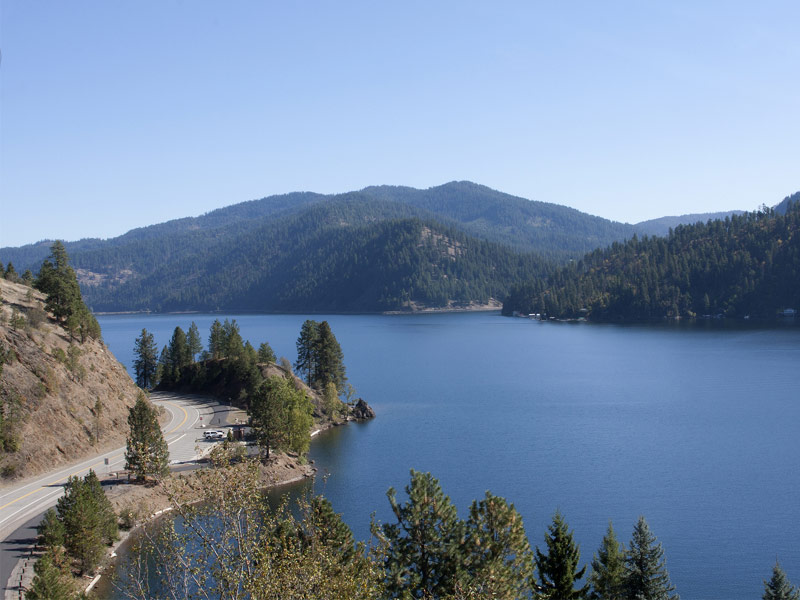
(216, 340)
(329, 359)
(232, 342)
(779, 587)
(498, 556)
(163, 375)
(145, 363)
(306, 350)
(608, 569)
(646, 576)
(193, 342)
(178, 354)
(423, 557)
(319, 356)
(147, 453)
(557, 569)
(57, 280)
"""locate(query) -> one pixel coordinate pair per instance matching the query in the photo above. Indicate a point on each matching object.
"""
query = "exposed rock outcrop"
(362, 411)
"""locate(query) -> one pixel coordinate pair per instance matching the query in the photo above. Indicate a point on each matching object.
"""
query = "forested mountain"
(744, 265)
(305, 251)
(551, 230)
(329, 257)
(378, 249)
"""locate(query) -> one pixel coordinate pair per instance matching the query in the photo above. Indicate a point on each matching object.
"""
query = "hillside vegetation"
(62, 398)
(744, 265)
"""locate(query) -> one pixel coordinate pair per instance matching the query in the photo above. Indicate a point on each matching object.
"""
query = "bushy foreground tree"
(147, 453)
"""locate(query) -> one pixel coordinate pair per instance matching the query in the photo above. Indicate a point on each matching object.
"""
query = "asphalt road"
(22, 505)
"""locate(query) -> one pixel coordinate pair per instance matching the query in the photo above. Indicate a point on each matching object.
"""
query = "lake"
(694, 426)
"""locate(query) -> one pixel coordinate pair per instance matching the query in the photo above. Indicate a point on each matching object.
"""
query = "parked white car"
(214, 435)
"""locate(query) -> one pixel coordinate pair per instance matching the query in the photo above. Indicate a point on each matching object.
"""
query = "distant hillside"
(550, 230)
(329, 257)
(661, 226)
(314, 252)
(61, 399)
(348, 252)
(747, 265)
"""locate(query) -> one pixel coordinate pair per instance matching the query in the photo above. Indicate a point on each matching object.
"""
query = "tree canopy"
(745, 265)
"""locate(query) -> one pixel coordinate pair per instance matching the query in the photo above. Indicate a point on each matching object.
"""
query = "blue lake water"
(694, 426)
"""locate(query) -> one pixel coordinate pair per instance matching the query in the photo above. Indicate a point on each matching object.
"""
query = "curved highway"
(22, 505)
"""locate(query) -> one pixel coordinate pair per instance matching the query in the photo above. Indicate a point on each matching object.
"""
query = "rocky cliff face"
(61, 399)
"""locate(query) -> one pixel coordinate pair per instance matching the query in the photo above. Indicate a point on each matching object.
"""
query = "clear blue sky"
(122, 114)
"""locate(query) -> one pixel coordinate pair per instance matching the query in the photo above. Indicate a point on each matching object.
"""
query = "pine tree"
(422, 551)
(646, 575)
(324, 526)
(88, 518)
(178, 355)
(51, 580)
(215, 340)
(498, 555)
(319, 356)
(266, 354)
(51, 530)
(608, 569)
(163, 373)
(232, 343)
(329, 359)
(193, 342)
(101, 506)
(557, 568)
(147, 453)
(779, 587)
(306, 350)
(58, 282)
(145, 362)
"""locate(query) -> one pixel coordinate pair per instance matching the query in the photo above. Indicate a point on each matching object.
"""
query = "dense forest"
(324, 259)
(744, 265)
(360, 251)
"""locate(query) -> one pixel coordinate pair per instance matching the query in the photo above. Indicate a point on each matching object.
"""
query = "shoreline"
(418, 311)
